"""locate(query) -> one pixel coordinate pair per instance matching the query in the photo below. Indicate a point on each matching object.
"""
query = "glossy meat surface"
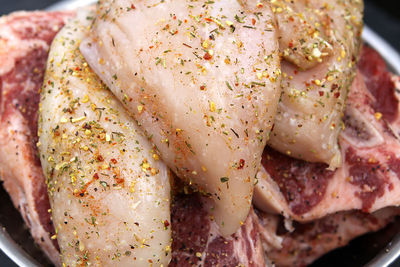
(320, 42)
(311, 240)
(369, 178)
(109, 192)
(25, 38)
(202, 79)
(197, 241)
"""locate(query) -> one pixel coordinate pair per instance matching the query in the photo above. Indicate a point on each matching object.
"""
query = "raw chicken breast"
(202, 79)
(321, 40)
(109, 193)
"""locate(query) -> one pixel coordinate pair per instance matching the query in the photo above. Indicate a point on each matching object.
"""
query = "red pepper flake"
(133, 6)
(291, 44)
(119, 180)
(83, 192)
(114, 161)
(203, 87)
(295, 72)
(253, 21)
(337, 94)
(208, 19)
(241, 164)
(174, 17)
(166, 223)
(321, 93)
(100, 158)
(334, 86)
(207, 56)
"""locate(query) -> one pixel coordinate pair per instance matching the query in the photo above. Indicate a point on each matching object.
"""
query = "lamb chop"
(25, 38)
(369, 177)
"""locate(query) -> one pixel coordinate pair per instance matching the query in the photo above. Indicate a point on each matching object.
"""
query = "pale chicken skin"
(202, 79)
(109, 192)
(320, 43)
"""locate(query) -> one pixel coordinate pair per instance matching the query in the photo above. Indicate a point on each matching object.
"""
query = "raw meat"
(322, 40)
(197, 241)
(311, 240)
(109, 192)
(369, 178)
(202, 78)
(245, 244)
(25, 38)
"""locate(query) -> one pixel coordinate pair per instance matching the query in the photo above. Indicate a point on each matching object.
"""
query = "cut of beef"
(312, 240)
(25, 38)
(197, 241)
(369, 178)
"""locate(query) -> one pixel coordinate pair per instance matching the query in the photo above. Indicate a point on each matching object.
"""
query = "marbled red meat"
(303, 184)
(369, 178)
(24, 43)
(197, 241)
(311, 240)
(25, 38)
(379, 82)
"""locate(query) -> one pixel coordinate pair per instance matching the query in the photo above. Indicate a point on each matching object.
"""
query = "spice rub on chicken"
(203, 81)
(193, 231)
(109, 192)
(320, 43)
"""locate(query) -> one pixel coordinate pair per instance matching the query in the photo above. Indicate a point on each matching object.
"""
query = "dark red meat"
(197, 242)
(369, 178)
(25, 38)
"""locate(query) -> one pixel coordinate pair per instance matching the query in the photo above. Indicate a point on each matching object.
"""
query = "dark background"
(383, 16)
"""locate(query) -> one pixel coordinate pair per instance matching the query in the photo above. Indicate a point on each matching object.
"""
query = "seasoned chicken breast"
(109, 193)
(202, 79)
(320, 42)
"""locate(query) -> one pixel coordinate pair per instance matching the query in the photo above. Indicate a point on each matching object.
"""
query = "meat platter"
(383, 251)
